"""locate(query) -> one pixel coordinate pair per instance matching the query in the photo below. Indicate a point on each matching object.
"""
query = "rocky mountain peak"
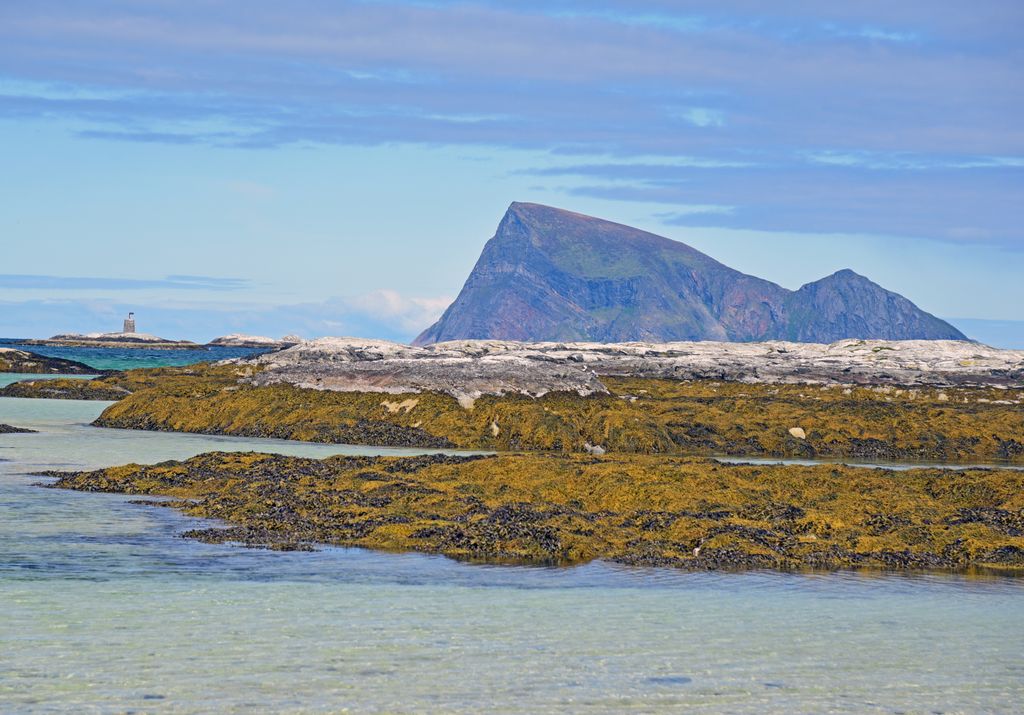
(553, 274)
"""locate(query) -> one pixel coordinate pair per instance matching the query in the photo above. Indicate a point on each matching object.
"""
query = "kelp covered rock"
(643, 510)
(64, 389)
(636, 415)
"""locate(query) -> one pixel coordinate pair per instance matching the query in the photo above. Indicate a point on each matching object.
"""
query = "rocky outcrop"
(240, 340)
(565, 509)
(550, 274)
(469, 369)
(23, 361)
(7, 429)
(636, 415)
(114, 340)
(65, 389)
(465, 371)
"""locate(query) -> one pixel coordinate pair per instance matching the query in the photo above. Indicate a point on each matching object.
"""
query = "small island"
(8, 429)
(114, 340)
(241, 340)
(23, 361)
(127, 338)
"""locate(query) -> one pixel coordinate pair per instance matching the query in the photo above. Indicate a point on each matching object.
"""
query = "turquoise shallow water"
(105, 609)
(131, 358)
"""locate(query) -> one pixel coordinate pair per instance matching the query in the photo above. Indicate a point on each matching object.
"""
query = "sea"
(105, 608)
(131, 358)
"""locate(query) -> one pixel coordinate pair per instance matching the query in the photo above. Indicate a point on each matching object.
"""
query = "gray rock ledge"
(471, 368)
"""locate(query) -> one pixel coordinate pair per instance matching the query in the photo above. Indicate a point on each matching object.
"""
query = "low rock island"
(843, 402)
(8, 429)
(23, 361)
(240, 340)
(114, 340)
(561, 509)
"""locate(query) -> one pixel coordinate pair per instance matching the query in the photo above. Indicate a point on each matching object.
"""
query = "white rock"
(468, 369)
(241, 340)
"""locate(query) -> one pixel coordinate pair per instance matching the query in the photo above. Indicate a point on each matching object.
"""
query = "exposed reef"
(114, 385)
(469, 369)
(636, 415)
(23, 361)
(560, 509)
(8, 429)
(65, 389)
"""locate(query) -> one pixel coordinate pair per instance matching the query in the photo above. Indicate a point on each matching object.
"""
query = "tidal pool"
(106, 609)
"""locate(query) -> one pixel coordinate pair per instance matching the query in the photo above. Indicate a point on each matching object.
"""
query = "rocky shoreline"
(65, 389)
(602, 452)
(561, 509)
(633, 415)
(472, 368)
(510, 409)
(23, 361)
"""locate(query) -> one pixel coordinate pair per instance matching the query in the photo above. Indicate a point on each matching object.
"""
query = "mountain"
(551, 274)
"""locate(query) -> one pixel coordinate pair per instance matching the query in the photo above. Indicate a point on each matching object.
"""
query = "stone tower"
(129, 324)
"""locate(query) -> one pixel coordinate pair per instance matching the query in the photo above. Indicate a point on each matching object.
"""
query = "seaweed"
(654, 510)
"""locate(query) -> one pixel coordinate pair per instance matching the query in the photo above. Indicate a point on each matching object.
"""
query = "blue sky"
(331, 167)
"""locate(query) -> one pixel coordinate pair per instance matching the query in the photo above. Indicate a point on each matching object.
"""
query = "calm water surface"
(131, 358)
(105, 609)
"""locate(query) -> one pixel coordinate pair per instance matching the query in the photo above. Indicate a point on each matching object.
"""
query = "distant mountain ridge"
(554, 275)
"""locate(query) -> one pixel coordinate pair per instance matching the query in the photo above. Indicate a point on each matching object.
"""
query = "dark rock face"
(7, 429)
(22, 361)
(550, 274)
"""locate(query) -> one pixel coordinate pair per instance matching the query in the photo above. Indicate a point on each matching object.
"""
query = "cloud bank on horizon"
(895, 120)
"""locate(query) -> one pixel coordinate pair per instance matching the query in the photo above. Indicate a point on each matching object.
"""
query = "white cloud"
(384, 313)
(702, 117)
(406, 312)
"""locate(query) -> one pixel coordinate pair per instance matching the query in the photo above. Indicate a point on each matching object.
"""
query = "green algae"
(650, 510)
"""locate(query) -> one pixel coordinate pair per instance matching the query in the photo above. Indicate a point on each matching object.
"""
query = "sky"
(334, 168)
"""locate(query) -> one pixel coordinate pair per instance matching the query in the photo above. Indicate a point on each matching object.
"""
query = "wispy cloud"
(933, 205)
(175, 282)
(408, 313)
(144, 136)
(863, 87)
(386, 313)
(357, 72)
(912, 162)
(961, 199)
(702, 117)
